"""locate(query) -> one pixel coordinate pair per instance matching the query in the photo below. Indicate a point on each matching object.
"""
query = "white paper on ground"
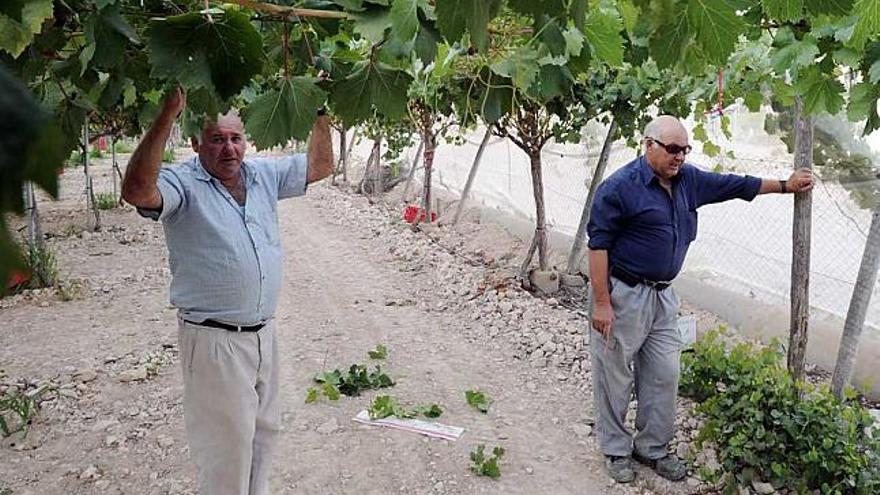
(430, 429)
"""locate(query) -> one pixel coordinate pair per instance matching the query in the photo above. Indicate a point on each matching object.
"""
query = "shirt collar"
(646, 173)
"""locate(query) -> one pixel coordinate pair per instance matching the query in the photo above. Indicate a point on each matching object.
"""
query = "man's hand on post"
(801, 180)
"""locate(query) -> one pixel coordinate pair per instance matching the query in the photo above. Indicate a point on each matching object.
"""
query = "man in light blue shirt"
(219, 213)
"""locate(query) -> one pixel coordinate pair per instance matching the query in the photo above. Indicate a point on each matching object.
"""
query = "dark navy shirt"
(647, 231)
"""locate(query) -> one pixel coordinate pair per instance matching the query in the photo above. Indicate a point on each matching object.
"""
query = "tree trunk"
(858, 309)
(472, 175)
(577, 247)
(340, 164)
(348, 154)
(412, 170)
(540, 216)
(429, 146)
(90, 189)
(117, 175)
(524, 268)
(369, 176)
(800, 255)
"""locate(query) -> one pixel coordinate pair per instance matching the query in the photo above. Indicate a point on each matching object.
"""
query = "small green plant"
(478, 400)
(486, 466)
(357, 379)
(380, 352)
(69, 290)
(96, 153)
(18, 409)
(311, 395)
(767, 426)
(122, 147)
(105, 201)
(41, 265)
(168, 156)
(384, 406)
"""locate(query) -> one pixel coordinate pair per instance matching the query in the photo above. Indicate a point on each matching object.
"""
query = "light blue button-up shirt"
(226, 260)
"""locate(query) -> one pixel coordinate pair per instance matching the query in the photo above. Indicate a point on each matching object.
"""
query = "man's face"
(222, 147)
(666, 152)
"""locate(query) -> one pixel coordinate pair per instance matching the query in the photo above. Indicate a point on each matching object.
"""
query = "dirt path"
(350, 283)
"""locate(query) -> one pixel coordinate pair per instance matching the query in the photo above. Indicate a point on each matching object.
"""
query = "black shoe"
(668, 466)
(620, 468)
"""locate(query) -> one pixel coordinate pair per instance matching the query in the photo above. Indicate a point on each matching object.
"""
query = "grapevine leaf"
(796, 55)
(862, 100)
(311, 395)
(833, 7)
(868, 23)
(874, 71)
(107, 34)
(289, 112)
(350, 5)
(454, 17)
(579, 13)
(371, 84)
(669, 41)
(224, 54)
(372, 24)
(602, 31)
(552, 81)
(538, 7)
(405, 19)
(520, 66)
(821, 92)
(426, 42)
(380, 352)
(17, 32)
(784, 10)
(716, 26)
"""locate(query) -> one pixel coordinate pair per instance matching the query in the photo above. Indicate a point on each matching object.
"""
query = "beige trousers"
(230, 405)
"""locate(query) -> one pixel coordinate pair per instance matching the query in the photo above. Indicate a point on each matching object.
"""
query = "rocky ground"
(100, 353)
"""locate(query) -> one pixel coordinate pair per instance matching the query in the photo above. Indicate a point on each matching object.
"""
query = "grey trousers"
(231, 407)
(642, 355)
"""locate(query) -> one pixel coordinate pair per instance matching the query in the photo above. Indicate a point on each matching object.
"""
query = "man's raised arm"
(320, 150)
(139, 186)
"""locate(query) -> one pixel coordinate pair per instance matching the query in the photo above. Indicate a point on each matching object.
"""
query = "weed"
(106, 201)
(486, 466)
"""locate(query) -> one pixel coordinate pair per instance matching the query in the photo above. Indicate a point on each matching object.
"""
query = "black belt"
(631, 279)
(227, 326)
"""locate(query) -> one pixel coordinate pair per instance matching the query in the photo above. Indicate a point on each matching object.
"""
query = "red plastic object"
(412, 212)
(16, 279)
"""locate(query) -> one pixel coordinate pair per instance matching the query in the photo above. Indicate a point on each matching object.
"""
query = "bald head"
(665, 127)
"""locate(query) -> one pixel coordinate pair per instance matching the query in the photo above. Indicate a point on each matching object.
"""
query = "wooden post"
(800, 255)
(472, 175)
(577, 245)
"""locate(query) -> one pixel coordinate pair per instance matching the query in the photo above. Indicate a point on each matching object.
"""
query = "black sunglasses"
(673, 149)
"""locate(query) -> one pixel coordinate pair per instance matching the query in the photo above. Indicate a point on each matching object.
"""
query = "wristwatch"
(783, 186)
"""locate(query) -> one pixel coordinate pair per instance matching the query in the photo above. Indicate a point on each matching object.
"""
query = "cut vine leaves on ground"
(478, 400)
(385, 406)
(482, 465)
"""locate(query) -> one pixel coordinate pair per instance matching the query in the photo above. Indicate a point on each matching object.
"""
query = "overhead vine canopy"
(112, 60)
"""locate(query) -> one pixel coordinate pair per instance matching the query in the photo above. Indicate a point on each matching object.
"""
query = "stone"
(582, 430)
(134, 374)
(763, 488)
(329, 427)
(84, 376)
(572, 281)
(546, 282)
(164, 441)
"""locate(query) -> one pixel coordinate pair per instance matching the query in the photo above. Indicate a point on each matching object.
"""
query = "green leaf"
(380, 352)
(477, 400)
(350, 5)
(330, 391)
(17, 32)
(454, 17)
(288, 113)
(538, 7)
(107, 34)
(312, 395)
(602, 30)
(223, 55)
(821, 92)
(784, 10)
(574, 42)
(868, 24)
(405, 19)
(579, 13)
(669, 41)
(874, 72)
(552, 81)
(717, 27)
(371, 84)
(426, 42)
(520, 66)
(753, 100)
(794, 56)
(831, 7)
(862, 101)
(372, 24)
(711, 149)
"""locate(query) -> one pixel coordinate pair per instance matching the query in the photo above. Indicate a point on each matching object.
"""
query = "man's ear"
(195, 143)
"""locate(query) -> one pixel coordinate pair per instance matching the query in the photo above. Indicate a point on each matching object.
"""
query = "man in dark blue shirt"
(643, 219)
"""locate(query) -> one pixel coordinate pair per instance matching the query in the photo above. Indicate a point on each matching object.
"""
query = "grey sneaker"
(669, 466)
(620, 469)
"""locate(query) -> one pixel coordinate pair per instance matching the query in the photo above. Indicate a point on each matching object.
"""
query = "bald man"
(643, 219)
(224, 249)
